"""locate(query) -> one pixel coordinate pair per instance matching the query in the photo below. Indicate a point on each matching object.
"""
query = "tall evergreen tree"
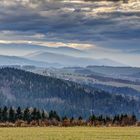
(11, 115)
(43, 115)
(134, 117)
(5, 114)
(64, 118)
(19, 114)
(80, 118)
(38, 115)
(34, 114)
(92, 118)
(71, 119)
(0, 114)
(27, 115)
(53, 115)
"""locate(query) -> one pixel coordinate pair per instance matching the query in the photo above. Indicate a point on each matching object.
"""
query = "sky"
(103, 29)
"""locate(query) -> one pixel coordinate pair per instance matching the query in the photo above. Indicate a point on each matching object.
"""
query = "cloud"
(101, 23)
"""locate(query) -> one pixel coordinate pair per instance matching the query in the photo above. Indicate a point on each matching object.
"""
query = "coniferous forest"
(18, 87)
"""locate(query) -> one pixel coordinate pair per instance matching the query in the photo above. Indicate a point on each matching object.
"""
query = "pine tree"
(71, 119)
(38, 115)
(19, 114)
(64, 118)
(80, 118)
(27, 115)
(92, 118)
(43, 115)
(134, 118)
(5, 114)
(11, 115)
(100, 118)
(34, 114)
(51, 115)
(0, 114)
(54, 115)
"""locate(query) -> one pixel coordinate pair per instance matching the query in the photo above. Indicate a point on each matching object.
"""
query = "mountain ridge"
(15, 60)
(31, 48)
(67, 98)
(67, 60)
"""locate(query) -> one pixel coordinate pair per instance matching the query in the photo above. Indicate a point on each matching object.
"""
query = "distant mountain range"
(13, 60)
(62, 56)
(46, 59)
(66, 60)
(15, 48)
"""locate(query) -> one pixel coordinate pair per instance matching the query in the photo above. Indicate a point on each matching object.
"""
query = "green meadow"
(70, 133)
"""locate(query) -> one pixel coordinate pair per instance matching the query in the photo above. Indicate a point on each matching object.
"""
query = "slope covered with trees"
(26, 89)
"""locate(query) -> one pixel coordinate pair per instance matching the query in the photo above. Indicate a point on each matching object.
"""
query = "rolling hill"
(21, 88)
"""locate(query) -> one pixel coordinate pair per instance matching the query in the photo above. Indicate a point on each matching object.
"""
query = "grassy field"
(75, 133)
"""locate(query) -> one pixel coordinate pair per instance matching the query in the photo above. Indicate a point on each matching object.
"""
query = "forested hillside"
(26, 89)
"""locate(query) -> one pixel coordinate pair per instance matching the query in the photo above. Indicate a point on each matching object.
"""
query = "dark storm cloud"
(69, 21)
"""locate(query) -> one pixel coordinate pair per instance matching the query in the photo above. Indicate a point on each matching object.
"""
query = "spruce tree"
(64, 118)
(92, 118)
(27, 115)
(0, 114)
(80, 118)
(11, 115)
(5, 114)
(43, 115)
(38, 115)
(134, 117)
(19, 114)
(34, 114)
(54, 115)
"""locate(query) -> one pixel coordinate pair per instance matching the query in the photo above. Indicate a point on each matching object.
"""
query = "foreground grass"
(75, 133)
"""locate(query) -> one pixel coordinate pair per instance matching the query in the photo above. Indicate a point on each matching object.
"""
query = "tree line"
(11, 117)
